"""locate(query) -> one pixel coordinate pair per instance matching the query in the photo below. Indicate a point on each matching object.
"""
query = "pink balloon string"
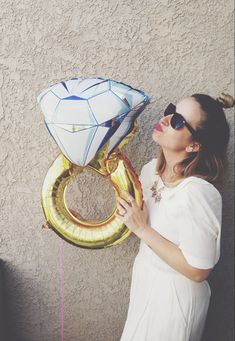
(62, 289)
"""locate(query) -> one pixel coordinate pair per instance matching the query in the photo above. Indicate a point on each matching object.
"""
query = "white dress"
(164, 304)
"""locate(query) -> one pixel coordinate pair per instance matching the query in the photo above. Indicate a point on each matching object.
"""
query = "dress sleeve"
(142, 174)
(200, 225)
(146, 173)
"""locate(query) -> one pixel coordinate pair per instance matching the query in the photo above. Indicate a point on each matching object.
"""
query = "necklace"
(157, 191)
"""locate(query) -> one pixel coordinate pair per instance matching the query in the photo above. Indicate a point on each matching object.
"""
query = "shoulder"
(149, 167)
(150, 163)
(197, 191)
(147, 173)
(200, 186)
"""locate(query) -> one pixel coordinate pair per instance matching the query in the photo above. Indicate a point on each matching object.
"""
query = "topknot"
(226, 100)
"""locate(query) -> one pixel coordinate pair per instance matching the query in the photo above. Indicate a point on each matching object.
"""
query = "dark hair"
(210, 162)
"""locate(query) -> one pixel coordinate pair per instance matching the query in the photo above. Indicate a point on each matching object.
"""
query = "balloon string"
(62, 289)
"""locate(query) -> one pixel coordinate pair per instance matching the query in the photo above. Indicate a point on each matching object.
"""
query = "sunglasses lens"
(177, 121)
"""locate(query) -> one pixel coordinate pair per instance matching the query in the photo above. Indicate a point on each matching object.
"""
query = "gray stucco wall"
(170, 49)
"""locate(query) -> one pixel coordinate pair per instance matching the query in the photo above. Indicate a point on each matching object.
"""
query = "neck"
(172, 158)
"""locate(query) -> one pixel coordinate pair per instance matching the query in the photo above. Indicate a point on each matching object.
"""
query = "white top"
(189, 215)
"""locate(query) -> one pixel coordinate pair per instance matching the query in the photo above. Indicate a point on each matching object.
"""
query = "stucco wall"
(170, 49)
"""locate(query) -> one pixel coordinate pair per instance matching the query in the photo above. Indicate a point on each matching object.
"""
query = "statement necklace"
(157, 191)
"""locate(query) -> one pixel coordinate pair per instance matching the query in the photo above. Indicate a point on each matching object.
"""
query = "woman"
(179, 224)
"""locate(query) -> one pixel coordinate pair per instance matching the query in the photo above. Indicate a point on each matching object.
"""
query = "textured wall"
(170, 49)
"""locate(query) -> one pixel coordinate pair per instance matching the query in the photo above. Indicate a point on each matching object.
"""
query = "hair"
(210, 162)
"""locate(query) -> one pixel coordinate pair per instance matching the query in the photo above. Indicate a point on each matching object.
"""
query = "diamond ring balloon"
(90, 120)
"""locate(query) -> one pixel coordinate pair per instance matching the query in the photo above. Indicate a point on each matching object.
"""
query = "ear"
(193, 147)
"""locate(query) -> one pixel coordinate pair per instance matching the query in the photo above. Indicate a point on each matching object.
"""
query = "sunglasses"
(177, 120)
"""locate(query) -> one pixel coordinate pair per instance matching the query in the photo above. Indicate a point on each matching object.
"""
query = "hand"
(135, 218)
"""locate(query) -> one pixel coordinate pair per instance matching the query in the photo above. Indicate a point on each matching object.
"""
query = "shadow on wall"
(220, 318)
(2, 304)
(12, 298)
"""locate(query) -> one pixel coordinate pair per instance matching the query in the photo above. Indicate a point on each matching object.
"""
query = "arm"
(171, 254)
(197, 237)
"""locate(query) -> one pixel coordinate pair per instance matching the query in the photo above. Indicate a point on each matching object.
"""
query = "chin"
(155, 138)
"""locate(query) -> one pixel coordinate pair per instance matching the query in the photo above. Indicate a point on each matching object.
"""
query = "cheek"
(178, 135)
(177, 138)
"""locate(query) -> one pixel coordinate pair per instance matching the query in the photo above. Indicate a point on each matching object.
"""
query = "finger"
(123, 203)
(121, 217)
(130, 197)
(121, 210)
(145, 208)
(119, 206)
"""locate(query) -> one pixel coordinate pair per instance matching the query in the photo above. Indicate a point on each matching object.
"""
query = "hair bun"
(226, 100)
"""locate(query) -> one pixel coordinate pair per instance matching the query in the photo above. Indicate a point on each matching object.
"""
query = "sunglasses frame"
(171, 109)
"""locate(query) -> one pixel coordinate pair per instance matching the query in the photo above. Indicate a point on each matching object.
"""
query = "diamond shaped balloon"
(84, 114)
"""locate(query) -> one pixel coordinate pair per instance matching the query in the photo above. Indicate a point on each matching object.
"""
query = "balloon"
(90, 120)
(83, 114)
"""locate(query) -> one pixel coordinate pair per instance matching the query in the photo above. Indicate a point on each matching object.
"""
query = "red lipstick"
(158, 127)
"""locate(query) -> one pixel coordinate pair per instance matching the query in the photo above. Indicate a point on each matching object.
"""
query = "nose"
(165, 120)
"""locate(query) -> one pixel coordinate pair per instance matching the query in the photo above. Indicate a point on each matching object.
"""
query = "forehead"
(190, 109)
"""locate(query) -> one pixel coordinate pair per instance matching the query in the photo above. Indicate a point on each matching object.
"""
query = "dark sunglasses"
(177, 120)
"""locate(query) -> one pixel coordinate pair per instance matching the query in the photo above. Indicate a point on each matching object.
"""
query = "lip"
(158, 127)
